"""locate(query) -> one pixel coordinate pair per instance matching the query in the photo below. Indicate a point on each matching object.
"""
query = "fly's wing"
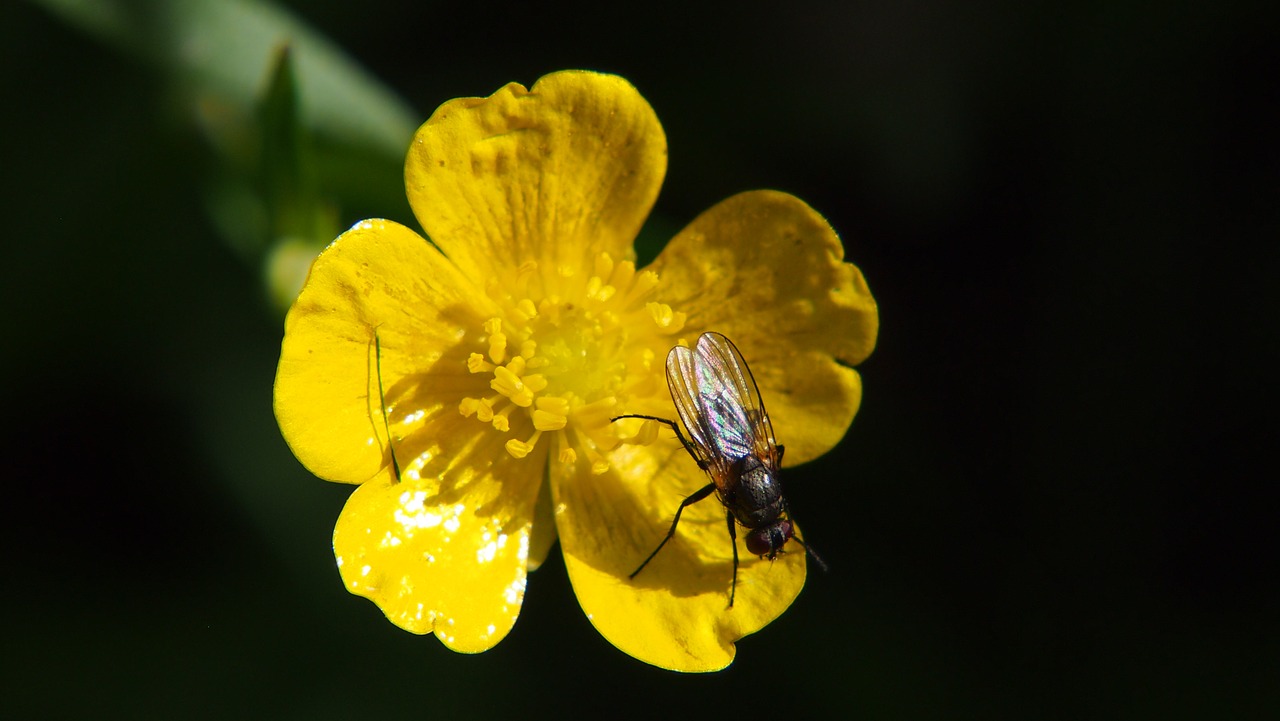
(737, 405)
(719, 402)
(682, 381)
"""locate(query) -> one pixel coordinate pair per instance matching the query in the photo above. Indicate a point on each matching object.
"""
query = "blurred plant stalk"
(298, 130)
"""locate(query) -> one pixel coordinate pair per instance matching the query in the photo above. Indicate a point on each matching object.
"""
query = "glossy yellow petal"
(445, 549)
(378, 276)
(675, 613)
(554, 175)
(544, 528)
(766, 270)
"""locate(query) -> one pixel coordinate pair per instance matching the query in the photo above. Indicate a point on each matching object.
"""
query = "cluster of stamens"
(565, 362)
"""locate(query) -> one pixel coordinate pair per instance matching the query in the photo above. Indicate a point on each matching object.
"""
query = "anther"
(520, 449)
(510, 385)
(666, 319)
(527, 309)
(497, 340)
(477, 364)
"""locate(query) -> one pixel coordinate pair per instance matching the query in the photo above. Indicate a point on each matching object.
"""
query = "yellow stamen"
(597, 290)
(599, 466)
(554, 404)
(552, 414)
(544, 421)
(497, 340)
(510, 385)
(667, 319)
(645, 282)
(569, 349)
(596, 414)
(502, 419)
(646, 434)
(477, 364)
(527, 310)
(520, 449)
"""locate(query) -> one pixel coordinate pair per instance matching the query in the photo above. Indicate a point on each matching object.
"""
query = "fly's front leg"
(673, 426)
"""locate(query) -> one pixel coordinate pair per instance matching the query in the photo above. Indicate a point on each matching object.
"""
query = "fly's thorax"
(755, 499)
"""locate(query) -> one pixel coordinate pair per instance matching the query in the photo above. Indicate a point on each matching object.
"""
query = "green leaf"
(300, 130)
(288, 183)
(223, 49)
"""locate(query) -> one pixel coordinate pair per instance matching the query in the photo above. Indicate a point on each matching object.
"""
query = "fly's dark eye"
(758, 542)
(769, 540)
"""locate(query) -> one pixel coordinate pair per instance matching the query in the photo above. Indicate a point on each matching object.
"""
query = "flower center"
(561, 360)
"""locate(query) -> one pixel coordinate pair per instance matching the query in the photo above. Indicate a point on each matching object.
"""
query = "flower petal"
(544, 528)
(767, 271)
(377, 277)
(675, 613)
(556, 174)
(445, 549)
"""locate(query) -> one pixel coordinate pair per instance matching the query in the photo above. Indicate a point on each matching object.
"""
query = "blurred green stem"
(300, 131)
(226, 47)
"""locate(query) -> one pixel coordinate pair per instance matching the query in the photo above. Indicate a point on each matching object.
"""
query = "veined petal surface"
(767, 271)
(377, 278)
(556, 174)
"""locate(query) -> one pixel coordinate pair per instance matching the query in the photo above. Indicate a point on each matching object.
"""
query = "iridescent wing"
(720, 404)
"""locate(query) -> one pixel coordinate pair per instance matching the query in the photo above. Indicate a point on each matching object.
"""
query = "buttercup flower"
(489, 361)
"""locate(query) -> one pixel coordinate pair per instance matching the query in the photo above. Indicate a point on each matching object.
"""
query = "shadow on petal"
(675, 613)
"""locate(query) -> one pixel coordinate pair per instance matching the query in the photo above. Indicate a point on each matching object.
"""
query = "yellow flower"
(496, 357)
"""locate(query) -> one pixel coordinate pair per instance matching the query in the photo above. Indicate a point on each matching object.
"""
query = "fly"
(731, 439)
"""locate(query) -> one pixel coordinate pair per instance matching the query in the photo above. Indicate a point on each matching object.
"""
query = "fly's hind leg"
(733, 541)
(698, 496)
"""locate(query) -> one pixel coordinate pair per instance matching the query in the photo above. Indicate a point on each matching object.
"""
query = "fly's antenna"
(807, 548)
(810, 552)
(382, 401)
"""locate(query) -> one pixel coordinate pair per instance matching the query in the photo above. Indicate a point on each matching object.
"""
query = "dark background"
(1056, 501)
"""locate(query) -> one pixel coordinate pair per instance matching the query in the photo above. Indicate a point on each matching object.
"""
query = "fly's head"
(767, 541)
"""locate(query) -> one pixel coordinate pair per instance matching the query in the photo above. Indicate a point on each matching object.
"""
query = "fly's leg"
(733, 541)
(698, 496)
(673, 426)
